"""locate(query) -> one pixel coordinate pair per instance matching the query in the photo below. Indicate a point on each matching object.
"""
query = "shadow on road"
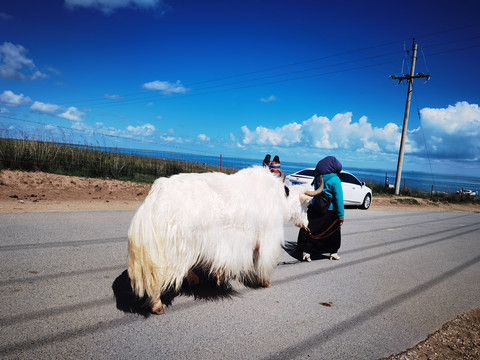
(208, 290)
(290, 248)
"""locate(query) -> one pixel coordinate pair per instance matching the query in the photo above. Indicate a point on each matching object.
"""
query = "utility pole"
(409, 78)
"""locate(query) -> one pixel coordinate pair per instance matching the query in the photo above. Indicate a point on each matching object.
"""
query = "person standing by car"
(326, 212)
(275, 166)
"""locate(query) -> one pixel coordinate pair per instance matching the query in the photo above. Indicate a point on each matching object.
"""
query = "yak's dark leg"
(192, 278)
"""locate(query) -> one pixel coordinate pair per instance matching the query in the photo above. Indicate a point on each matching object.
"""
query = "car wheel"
(366, 202)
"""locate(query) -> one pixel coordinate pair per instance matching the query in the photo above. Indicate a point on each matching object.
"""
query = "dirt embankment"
(38, 191)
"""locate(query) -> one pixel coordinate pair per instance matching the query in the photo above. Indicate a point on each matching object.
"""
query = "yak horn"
(316, 192)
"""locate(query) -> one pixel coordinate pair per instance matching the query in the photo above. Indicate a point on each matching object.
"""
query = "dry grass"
(86, 161)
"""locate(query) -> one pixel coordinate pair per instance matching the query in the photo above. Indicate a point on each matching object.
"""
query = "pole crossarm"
(410, 77)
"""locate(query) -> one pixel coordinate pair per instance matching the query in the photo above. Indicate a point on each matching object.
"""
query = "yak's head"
(298, 199)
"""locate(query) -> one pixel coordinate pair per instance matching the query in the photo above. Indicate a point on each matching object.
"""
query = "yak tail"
(150, 252)
(141, 269)
(146, 257)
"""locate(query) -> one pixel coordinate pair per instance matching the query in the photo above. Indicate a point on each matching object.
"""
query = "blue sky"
(302, 79)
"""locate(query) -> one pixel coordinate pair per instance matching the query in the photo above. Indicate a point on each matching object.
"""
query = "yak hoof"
(157, 308)
(266, 284)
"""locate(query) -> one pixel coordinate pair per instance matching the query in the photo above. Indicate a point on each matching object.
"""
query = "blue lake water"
(410, 179)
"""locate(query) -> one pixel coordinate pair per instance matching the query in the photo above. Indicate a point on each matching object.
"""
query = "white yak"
(231, 226)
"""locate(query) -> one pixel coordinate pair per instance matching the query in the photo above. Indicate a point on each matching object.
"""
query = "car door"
(352, 189)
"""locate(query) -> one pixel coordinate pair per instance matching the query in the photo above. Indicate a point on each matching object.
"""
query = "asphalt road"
(402, 274)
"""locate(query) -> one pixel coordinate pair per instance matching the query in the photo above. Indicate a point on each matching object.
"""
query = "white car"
(355, 192)
(467, 192)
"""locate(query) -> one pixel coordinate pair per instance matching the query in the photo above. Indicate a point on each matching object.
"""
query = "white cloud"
(13, 61)
(107, 130)
(73, 114)
(44, 108)
(317, 130)
(268, 99)
(168, 138)
(82, 126)
(8, 98)
(322, 133)
(203, 137)
(108, 6)
(461, 118)
(142, 130)
(286, 135)
(50, 127)
(100, 129)
(165, 87)
(450, 133)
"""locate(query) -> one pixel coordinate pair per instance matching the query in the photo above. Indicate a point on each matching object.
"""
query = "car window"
(306, 173)
(347, 178)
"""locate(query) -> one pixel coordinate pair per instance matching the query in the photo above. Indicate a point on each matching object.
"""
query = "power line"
(293, 64)
(351, 52)
(268, 69)
(138, 99)
(99, 134)
(222, 87)
(456, 41)
(219, 87)
(89, 132)
(269, 13)
(454, 50)
(248, 86)
(157, 97)
(448, 30)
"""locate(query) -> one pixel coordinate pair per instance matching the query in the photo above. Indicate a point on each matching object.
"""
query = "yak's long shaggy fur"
(229, 225)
